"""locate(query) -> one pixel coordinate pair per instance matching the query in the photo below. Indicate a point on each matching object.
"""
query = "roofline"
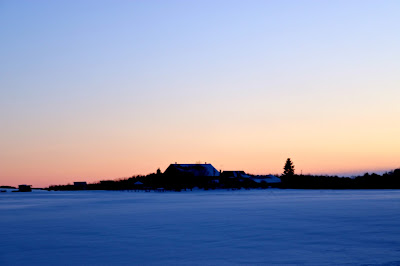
(190, 163)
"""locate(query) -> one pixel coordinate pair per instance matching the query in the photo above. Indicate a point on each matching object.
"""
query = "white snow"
(278, 227)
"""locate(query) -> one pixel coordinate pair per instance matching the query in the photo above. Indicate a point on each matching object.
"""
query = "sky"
(94, 90)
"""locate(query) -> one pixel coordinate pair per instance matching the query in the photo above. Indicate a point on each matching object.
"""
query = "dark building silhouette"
(234, 174)
(195, 170)
(24, 188)
(268, 179)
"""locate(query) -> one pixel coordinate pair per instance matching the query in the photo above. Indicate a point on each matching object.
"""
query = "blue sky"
(114, 88)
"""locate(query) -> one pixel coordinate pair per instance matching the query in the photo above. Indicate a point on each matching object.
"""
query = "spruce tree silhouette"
(288, 169)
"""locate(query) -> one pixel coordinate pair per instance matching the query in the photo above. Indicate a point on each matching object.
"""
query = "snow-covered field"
(275, 227)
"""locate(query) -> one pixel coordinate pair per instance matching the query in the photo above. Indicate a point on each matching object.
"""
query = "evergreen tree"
(288, 169)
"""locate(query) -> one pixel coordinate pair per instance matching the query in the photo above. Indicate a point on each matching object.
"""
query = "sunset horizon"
(41, 181)
(103, 90)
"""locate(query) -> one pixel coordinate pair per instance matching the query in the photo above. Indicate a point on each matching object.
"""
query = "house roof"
(267, 178)
(194, 169)
(240, 174)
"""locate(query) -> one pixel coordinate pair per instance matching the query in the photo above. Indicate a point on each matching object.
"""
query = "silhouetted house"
(80, 185)
(214, 181)
(24, 188)
(234, 174)
(269, 179)
(195, 170)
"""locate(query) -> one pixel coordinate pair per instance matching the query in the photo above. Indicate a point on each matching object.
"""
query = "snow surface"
(259, 227)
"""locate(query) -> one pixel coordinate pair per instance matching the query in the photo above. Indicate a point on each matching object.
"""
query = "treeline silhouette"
(178, 182)
(8, 187)
(162, 182)
(388, 180)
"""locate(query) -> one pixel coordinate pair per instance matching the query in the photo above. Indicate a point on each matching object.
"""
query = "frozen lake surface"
(259, 227)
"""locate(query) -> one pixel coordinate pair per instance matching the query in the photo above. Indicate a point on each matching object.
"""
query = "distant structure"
(195, 170)
(24, 188)
(235, 174)
(80, 185)
(269, 179)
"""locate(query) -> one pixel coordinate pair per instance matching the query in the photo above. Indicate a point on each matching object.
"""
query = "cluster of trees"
(388, 180)
(172, 182)
(184, 181)
(8, 187)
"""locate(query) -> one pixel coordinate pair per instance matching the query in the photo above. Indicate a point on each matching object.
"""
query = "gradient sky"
(93, 90)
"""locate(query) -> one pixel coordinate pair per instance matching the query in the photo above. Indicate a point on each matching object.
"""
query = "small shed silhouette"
(24, 188)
